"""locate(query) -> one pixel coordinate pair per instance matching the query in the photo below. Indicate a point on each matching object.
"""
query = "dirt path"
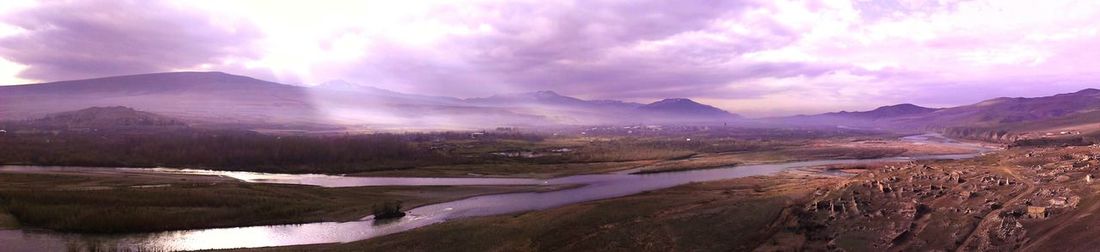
(986, 220)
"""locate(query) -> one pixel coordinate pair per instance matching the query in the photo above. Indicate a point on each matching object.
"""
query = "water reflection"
(342, 181)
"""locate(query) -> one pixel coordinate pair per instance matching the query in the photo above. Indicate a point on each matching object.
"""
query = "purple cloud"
(606, 49)
(81, 39)
(795, 56)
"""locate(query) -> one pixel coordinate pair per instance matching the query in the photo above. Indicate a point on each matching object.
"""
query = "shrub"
(388, 210)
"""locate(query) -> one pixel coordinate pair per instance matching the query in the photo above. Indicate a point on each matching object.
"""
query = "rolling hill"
(106, 117)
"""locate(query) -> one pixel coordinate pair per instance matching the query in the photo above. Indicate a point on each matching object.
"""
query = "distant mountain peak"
(676, 101)
(686, 108)
(902, 105)
(904, 108)
(543, 96)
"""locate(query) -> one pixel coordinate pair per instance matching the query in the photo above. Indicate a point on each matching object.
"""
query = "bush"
(388, 210)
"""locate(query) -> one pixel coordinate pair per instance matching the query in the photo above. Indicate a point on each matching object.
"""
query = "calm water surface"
(601, 186)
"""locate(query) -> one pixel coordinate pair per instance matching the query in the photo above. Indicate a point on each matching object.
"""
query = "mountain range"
(219, 98)
(215, 98)
(1002, 118)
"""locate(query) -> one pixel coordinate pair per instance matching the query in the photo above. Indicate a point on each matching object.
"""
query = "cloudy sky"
(757, 58)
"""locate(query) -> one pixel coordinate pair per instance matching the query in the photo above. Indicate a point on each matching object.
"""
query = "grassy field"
(130, 204)
(715, 216)
(533, 154)
(645, 154)
(811, 150)
(715, 160)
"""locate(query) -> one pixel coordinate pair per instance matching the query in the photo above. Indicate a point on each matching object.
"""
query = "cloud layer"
(753, 57)
(80, 39)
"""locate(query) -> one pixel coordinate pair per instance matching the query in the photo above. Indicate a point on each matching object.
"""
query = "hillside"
(999, 119)
(1005, 111)
(682, 109)
(107, 117)
(880, 118)
(210, 97)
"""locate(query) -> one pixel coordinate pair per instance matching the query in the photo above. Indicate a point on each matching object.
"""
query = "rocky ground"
(1031, 199)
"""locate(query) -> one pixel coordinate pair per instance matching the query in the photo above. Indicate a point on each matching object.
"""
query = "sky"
(755, 58)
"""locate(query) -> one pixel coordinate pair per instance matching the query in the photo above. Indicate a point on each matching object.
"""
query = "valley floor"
(110, 200)
(1039, 199)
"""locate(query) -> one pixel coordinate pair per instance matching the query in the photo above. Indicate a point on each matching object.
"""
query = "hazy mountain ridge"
(1010, 119)
(881, 118)
(220, 98)
(891, 111)
(1004, 111)
(686, 109)
(1001, 119)
(538, 97)
(611, 111)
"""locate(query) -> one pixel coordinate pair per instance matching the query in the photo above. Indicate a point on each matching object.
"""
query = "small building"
(1036, 212)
